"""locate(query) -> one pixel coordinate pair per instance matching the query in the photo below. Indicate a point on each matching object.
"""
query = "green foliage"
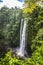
(10, 20)
(38, 30)
(8, 60)
(36, 59)
(10, 24)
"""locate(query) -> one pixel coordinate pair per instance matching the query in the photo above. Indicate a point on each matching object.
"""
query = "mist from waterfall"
(21, 50)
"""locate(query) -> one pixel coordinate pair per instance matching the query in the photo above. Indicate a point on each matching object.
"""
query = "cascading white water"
(21, 50)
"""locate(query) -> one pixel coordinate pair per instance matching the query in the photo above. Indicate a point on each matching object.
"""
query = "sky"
(11, 3)
(0, 0)
(21, 0)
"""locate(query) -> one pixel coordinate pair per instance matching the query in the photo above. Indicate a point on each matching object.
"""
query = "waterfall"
(21, 50)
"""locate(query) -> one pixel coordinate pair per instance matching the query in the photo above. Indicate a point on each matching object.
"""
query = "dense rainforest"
(10, 21)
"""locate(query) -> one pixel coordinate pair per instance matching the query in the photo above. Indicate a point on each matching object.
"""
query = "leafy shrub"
(36, 59)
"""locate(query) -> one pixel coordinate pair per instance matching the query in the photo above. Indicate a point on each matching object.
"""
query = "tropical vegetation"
(10, 20)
